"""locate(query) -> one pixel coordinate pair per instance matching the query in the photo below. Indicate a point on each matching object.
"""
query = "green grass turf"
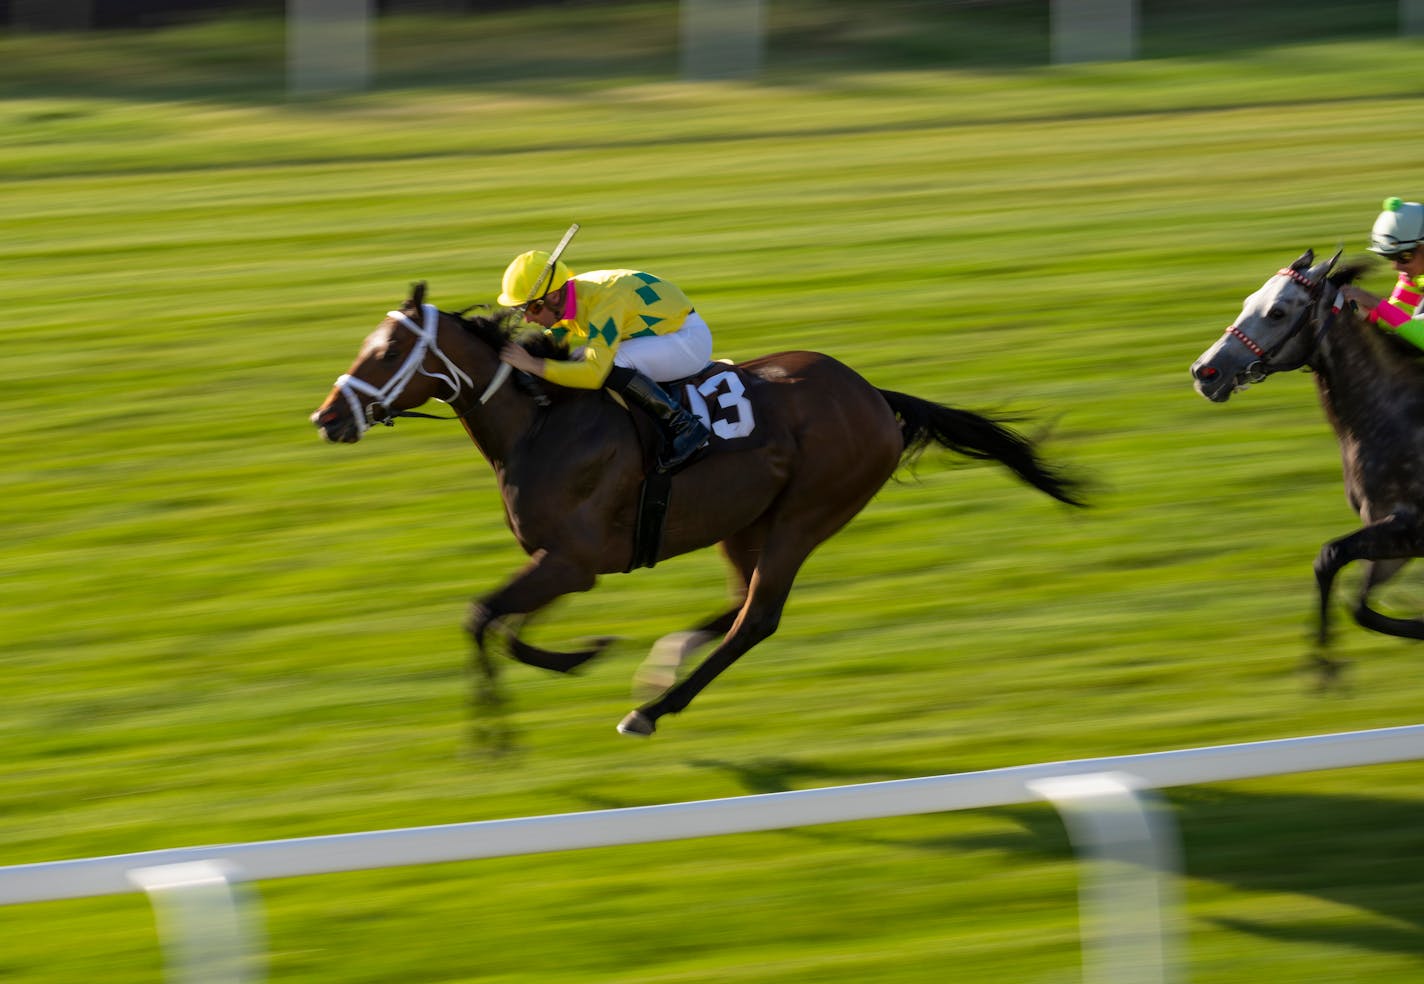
(216, 628)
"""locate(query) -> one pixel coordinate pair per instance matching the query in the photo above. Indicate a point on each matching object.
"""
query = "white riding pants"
(672, 356)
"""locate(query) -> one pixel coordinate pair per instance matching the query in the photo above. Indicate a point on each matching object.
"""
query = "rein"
(376, 411)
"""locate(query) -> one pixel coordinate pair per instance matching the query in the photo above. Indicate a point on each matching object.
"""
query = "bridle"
(1264, 364)
(377, 411)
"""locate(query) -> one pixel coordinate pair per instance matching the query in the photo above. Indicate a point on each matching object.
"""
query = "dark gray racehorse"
(1371, 386)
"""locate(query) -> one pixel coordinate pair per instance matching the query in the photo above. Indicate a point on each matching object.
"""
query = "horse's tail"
(977, 436)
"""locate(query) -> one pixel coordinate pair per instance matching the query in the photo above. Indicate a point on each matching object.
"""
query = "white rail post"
(720, 39)
(206, 937)
(1127, 893)
(1411, 17)
(1093, 30)
(329, 45)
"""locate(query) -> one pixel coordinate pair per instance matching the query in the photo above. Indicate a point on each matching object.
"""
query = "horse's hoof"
(636, 724)
(1327, 671)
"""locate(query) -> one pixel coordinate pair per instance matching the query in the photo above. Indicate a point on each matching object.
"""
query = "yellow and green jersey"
(609, 307)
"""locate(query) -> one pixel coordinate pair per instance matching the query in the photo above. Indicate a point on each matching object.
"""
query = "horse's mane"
(1350, 271)
(493, 326)
(500, 325)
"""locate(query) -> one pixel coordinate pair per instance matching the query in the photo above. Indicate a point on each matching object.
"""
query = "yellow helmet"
(527, 278)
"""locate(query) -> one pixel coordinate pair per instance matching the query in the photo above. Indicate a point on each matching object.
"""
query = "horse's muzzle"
(335, 426)
(1212, 383)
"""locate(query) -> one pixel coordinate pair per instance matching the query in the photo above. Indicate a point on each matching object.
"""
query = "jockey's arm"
(522, 359)
(1362, 298)
(595, 342)
(587, 372)
(1400, 313)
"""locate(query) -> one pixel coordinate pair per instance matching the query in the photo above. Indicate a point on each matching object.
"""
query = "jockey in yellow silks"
(625, 329)
(1398, 236)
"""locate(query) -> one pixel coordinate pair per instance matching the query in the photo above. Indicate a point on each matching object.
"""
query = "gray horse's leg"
(1395, 537)
(1388, 545)
(1378, 573)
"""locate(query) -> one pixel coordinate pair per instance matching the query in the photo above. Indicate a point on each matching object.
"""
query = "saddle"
(721, 394)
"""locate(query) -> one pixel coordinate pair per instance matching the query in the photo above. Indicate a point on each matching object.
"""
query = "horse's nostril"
(1205, 373)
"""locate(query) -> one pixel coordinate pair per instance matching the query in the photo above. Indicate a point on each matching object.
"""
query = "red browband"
(1299, 278)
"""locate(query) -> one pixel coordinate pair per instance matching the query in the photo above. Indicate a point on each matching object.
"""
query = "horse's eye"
(391, 353)
(1275, 314)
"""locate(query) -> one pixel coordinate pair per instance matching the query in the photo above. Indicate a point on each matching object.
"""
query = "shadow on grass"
(1365, 853)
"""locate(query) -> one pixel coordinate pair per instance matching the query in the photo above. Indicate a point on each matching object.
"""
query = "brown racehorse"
(570, 465)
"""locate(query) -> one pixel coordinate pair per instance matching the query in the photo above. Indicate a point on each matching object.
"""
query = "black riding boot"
(682, 432)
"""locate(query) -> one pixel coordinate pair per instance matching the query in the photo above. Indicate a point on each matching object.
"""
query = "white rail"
(1110, 779)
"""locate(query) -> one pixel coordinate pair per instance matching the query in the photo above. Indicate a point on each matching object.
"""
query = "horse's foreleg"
(490, 725)
(1379, 573)
(1388, 543)
(545, 578)
(1327, 564)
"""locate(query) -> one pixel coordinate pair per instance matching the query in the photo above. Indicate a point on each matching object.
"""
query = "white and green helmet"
(1399, 227)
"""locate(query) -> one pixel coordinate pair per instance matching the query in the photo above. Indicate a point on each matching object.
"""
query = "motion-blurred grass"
(218, 629)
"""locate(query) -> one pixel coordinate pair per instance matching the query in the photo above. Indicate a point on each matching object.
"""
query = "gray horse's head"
(1274, 331)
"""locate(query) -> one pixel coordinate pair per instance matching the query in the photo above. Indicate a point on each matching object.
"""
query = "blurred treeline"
(159, 13)
(1225, 22)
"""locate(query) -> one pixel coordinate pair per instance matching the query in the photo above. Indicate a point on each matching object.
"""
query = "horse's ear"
(1321, 270)
(1306, 259)
(417, 294)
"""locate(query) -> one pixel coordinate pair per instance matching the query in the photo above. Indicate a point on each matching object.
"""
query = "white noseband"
(425, 343)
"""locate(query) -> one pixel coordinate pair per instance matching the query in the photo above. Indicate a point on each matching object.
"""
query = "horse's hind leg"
(756, 621)
(832, 480)
(780, 544)
(660, 667)
(659, 670)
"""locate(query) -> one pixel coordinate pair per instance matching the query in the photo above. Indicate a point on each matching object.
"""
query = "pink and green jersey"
(1398, 313)
(608, 307)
